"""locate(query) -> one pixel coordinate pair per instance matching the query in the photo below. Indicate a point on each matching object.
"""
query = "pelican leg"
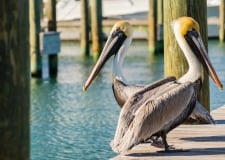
(167, 147)
(170, 148)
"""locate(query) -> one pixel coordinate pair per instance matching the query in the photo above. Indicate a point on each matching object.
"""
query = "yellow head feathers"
(124, 26)
(187, 24)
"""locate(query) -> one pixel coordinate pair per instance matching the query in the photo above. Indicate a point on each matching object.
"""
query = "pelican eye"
(118, 32)
(192, 32)
(195, 33)
(120, 37)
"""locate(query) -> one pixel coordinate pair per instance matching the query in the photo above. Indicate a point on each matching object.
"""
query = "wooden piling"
(35, 28)
(159, 42)
(175, 63)
(155, 27)
(222, 20)
(96, 28)
(160, 12)
(15, 80)
(84, 41)
(53, 58)
(152, 26)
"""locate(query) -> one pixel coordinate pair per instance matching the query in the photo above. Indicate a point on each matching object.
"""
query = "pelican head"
(187, 33)
(117, 44)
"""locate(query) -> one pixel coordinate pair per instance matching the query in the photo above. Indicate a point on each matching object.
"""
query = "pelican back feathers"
(123, 91)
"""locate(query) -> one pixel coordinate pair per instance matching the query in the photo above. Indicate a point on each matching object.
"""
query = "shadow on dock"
(191, 152)
(206, 139)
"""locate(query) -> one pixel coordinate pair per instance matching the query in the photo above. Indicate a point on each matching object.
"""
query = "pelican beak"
(195, 42)
(111, 47)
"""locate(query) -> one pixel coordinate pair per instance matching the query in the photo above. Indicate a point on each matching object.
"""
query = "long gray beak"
(111, 47)
(197, 46)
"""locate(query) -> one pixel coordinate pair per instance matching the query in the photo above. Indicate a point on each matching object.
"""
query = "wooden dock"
(200, 142)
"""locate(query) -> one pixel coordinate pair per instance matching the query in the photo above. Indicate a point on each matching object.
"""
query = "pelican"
(170, 103)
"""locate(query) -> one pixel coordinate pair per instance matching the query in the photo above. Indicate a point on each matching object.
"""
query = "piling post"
(84, 41)
(173, 56)
(152, 26)
(222, 20)
(160, 12)
(159, 42)
(15, 80)
(155, 26)
(52, 26)
(35, 28)
(96, 27)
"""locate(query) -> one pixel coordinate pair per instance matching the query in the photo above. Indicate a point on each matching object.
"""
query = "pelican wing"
(122, 91)
(151, 116)
(135, 101)
(201, 114)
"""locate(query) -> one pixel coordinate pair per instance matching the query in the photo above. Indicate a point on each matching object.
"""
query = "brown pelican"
(170, 103)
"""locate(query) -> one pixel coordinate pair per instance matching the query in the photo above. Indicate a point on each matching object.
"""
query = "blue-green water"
(68, 124)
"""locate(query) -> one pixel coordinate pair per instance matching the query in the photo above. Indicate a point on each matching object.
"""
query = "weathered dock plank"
(199, 142)
(219, 114)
